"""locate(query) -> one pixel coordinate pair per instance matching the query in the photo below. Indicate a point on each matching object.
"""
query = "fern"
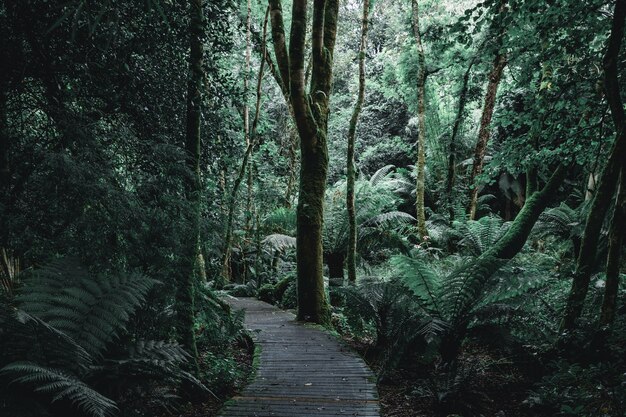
(379, 176)
(61, 386)
(480, 235)
(423, 281)
(279, 242)
(89, 310)
(562, 221)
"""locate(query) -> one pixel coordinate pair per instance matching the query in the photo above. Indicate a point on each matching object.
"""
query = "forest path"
(302, 371)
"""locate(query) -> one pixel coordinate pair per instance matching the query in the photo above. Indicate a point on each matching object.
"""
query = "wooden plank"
(303, 371)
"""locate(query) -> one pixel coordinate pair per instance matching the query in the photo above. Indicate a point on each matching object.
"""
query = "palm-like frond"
(86, 309)
(282, 220)
(421, 279)
(390, 219)
(480, 235)
(562, 221)
(280, 242)
(381, 175)
(61, 386)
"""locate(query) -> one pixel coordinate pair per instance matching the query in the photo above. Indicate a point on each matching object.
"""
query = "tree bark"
(310, 112)
(421, 124)
(453, 139)
(608, 181)
(616, 239)
(185, 297)
(484, 132)
(351, 169)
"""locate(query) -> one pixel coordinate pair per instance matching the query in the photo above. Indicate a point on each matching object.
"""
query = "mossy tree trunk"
(616, 239)
(607, 184)
(310, 112)
(495, 76)
(484, 131)
(351, 169)
(421, 124)
(451, 176)
(185, 296)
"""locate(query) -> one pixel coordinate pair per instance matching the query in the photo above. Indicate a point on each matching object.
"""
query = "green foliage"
(266, 293)
(63, 322)
(573, 389)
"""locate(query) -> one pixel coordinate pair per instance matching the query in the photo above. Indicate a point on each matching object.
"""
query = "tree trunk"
(453, 139)
(293, 160)
(310, 113)
(185, 296)
(616, 237)
(421, 124)
(608, 181)
(351, 170)
(484, 132)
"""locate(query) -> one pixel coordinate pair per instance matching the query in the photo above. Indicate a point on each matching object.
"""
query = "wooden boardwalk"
(302, 371)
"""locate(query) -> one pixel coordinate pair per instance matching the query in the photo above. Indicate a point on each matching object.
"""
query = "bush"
(242, 291)
(266, 293)
(290, 297)
(281, 286)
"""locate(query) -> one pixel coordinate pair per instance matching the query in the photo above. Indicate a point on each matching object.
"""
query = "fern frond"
(89, 310)
(278, 241)
(562, 221)
(380, 175)
(61, 386)
(390, 219)
(423, 281)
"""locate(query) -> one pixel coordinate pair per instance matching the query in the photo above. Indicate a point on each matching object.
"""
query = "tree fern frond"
(87, 309)
(278, 241)
(423, 281)
(380, 175)
(61, 386)
(390, 218)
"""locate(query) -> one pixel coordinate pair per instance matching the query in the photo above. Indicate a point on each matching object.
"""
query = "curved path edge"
(302, 371)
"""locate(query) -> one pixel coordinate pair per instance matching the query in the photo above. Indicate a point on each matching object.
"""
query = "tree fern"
(480, 235)
(60, 385)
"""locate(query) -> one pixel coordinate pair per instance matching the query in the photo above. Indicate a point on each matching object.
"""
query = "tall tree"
(495, 76)
(421, 123)
(451, 175)
(186, 287)
(310, 112)
(608, 181)
(351, 169)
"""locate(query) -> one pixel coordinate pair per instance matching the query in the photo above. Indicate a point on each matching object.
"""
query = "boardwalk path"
(302, 372)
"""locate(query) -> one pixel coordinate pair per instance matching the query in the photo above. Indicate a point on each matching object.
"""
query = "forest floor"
(211, 404)
(493, 385)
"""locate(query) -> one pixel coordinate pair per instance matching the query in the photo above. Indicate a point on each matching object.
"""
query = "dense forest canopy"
(442, 183)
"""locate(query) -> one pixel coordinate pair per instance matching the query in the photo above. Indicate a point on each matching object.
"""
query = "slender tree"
(185, 291)
(607, 184)
(351, 169)
(451, 176)
(421, 123)
(495, 76)
(310, 112)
